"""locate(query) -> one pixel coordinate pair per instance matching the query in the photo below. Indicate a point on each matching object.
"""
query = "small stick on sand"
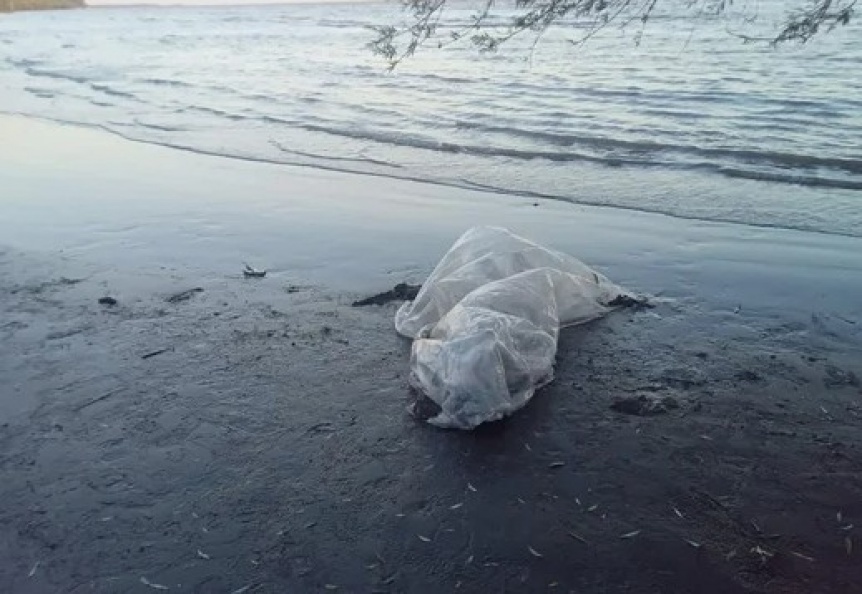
(154, 353)
(579, 538)
(153, 585)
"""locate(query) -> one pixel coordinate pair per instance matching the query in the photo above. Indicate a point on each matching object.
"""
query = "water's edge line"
(465, 185)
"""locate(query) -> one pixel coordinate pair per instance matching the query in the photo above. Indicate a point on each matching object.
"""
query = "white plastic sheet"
(486, 323)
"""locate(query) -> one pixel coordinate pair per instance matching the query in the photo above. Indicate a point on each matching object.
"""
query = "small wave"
(268, 119)
(414, 141)
(160, 127)
(647, 94)
(638, 154)
(789, 178)
(163, 82)
(235, 117)
(368, 160)
(78, 79)
(775, 158)
(448, 79)
(43, 73)
(41, 93)
(23, 62)
(108, 90)
(341, 24)
(237, 19)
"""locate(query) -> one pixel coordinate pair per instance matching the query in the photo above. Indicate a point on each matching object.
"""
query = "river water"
(690, 122)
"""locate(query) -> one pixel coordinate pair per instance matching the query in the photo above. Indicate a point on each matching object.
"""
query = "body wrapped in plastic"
(486, 321)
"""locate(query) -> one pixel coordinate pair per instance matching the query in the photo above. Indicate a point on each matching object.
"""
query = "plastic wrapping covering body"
(486, 321)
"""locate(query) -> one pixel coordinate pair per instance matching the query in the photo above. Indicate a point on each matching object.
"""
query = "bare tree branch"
(395, 43)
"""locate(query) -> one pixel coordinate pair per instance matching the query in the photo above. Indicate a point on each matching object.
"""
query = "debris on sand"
(154, 353)
(683, 377)
(109, 301)
(423, 408)
(578, 537)
(401, 292)
(250, 272)
(105, 396)
(746, 375)
(184, 295)
(629, 301)
(644, 405)
(153, 585)
(836, 377)
(762, 553)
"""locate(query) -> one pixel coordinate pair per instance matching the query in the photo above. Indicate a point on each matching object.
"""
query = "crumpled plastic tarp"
(485, 323)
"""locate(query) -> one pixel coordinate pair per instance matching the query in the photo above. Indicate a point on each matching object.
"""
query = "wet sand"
(254, 437)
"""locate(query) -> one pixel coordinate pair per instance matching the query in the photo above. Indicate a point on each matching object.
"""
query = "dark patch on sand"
(630, 301)
(401, 292)
(183, 295)
(645, 405)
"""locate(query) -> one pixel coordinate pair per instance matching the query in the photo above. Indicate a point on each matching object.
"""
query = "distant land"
(13, 5)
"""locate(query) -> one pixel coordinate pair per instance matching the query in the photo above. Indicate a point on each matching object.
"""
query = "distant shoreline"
(22, 5)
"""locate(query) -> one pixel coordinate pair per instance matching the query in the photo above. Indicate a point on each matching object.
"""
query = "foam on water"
(690, 123)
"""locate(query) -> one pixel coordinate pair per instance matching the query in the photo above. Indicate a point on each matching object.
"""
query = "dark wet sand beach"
(254, 436)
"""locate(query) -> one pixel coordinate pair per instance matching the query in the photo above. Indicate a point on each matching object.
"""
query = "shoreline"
(405, 201)
(13, 6)
(255, 434)
(447, 184)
